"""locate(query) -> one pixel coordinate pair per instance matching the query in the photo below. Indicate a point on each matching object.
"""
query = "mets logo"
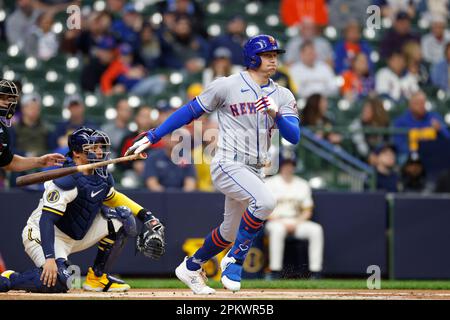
(53, 196)
(272, 40)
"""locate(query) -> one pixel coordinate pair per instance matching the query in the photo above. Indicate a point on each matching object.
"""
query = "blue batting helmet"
(256, 45)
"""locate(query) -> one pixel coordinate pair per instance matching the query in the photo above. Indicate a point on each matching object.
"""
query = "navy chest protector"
(81, 212)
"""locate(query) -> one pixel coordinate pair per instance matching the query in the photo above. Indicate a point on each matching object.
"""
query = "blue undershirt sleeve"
(179, 118)
(47, 230)
(289, 128)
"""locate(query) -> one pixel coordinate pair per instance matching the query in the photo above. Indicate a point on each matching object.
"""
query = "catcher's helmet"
(94, 143)
(256, 45)
(9, 96)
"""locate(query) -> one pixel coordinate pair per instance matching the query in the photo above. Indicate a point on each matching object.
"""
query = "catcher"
(75, 213)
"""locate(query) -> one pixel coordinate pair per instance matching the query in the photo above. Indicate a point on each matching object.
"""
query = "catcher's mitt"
(150, 242)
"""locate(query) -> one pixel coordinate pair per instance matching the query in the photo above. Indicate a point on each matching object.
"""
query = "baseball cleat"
(195, 280)
(231, 273)
(5, 284)
(105, 283)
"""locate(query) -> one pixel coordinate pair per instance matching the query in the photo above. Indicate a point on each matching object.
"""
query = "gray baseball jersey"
(244, 133)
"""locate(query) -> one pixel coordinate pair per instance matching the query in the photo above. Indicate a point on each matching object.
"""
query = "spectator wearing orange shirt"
(358, 80)
(294, 11)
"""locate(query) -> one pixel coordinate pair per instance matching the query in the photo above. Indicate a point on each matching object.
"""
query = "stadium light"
(132, 126)
(51, 76)
(214, 30)
(65, 113)
(441, 94)
(424, 23)
(72, 63)
(70, 88)
(176, 78)
(291, 31)
(369, 33)
(339, 81)
(343, 104)
(154, 114)
(139, 6)
(31, 63)
(428, 106)
(386, 23)
(9, 75)
(272, 20)
(252, 8)
(91, 100)
(48, 101)
(214, 7)
(252, 30)
(387, 105)
(316, 182)
(110, 113)
(99, 5)
(330, 32)
(28, 88)
(374, 56)
(156, 18)
(176, 102)
(134, 101)
(447, 118)
(2, 15)
(57, 27)
(13, 50)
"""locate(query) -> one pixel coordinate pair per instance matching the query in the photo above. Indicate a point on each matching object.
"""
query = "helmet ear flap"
(255, 61)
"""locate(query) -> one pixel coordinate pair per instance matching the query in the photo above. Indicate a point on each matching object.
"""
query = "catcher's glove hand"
(150, 242)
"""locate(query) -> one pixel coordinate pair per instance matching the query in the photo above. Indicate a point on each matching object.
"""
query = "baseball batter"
(76, 212)
(249, 106)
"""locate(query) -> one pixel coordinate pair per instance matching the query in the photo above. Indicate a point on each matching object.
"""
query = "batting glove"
(140, 143)
(266, 104)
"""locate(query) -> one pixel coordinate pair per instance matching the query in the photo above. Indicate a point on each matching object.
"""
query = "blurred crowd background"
(376, 91)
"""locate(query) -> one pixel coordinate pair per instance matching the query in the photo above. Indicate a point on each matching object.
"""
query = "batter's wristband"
(151, 135)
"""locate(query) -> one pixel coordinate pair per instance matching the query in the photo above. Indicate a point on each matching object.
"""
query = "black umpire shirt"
(6, 155)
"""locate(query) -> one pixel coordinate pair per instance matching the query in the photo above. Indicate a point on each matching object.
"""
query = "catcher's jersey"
(244, 133)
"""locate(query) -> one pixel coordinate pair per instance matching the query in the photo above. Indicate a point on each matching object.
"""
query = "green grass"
(298, 284)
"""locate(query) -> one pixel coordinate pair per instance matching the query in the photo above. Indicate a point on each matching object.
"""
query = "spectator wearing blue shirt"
(128, 28)
(346, 49)
(161, 173)
(385, 159)
(423, 125)
(233, 40)
(440, 71)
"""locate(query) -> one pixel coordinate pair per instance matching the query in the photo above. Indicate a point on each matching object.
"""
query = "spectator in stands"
(417, 74)
(98, 25)
(293, 12)
(183, 48)
(221, 66)
(388, 80)
(396, 37)
(233, 39)
(315, 114)
(116, 7)
(430, 8)
(19, 23)
(440, 72)
(358, 80)
(123, 76)
(385, 162)
(190, 8)
(308, 32)
(341, 11)
(422, 125)
(312, 75)
(41, 42)
(204, 152)
(75, 105)
(161, 173)
(283, 77)
(391, 8)
(150, 48)
(144, 122)
(433, 43)
(31, 133)
(292, 216)
(413, 175)
(92, 71)
(127, 28)
(117, 130)
(373, 116)
(352, 44)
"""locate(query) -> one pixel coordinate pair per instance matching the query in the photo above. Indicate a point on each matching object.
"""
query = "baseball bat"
(43, 176)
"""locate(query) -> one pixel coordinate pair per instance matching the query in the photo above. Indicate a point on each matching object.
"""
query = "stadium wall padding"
(355, 227)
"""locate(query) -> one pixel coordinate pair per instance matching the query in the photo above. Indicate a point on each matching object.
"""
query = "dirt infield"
(264, 294)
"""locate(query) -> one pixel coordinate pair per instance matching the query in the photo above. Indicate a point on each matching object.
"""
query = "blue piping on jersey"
(254, 199)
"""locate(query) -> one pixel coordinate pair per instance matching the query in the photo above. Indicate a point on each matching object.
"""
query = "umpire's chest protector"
(81, 212)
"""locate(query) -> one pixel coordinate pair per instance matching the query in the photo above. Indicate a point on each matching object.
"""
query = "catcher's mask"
(98, 149)
(9, 96)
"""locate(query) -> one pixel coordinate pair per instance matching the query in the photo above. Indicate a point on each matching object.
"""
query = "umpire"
(9, 96)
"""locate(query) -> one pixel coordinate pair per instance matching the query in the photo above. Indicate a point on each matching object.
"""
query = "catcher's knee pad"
(30, 280)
